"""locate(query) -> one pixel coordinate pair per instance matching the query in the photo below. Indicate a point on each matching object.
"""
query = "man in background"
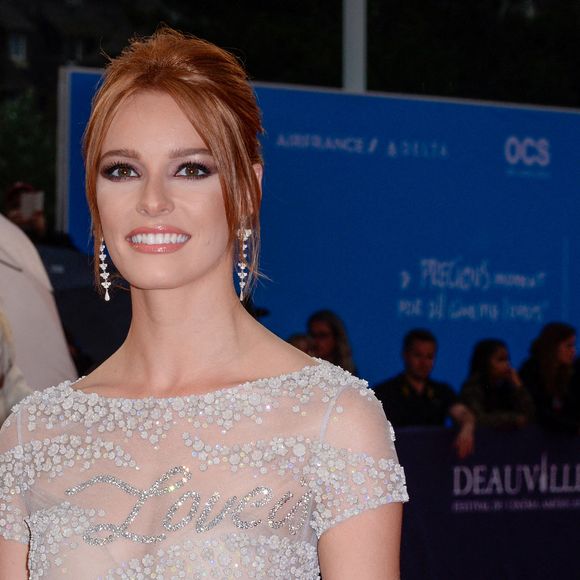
(412, 398)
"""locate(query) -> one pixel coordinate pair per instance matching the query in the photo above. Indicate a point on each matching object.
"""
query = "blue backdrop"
(399, 212)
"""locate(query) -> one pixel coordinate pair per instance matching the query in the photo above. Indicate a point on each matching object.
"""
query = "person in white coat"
(26, 298)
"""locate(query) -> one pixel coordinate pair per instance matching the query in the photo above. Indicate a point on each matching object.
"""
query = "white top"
(236, 483)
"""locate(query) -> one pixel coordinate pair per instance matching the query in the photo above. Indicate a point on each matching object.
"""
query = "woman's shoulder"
(352, 401)
(325, 391)
(338, 383)
(47, 401)
(355, 422)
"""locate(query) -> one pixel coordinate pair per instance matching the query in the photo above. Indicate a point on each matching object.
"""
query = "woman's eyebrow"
(176, 153)
(130, 153)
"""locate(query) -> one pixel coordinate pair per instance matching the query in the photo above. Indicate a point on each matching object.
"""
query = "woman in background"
(548, 375)
(493, 391)
(13, 387)
(302, 342)
(330, 339)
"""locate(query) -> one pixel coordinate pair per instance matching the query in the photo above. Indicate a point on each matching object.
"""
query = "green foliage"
(27, 147)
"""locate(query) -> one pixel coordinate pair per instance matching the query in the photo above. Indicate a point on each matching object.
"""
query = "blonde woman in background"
(13, 387)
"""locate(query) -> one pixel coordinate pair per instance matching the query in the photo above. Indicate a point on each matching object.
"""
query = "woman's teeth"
(155, 239)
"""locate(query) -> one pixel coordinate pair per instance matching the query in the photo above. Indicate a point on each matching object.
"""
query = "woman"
(548, 374)
(13, 387)
(176, 458)
(330, 339)
(302, 342)
(494, 391)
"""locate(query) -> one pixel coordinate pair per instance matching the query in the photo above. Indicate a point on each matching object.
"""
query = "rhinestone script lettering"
(174, 479)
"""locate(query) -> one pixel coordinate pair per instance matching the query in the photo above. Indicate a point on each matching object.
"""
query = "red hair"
(212, 90)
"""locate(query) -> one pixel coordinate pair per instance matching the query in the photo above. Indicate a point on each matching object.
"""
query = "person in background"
(548, 375)
(302, 342)
(494, 391)
(27, 301)
(13, 387)
(24, 206)
(330, 339)
(83, 362)
(412, 398)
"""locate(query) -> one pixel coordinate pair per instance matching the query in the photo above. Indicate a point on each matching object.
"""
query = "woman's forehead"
(151, 120)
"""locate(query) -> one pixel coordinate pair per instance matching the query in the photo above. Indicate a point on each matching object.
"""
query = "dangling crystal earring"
(103, 266)
(244, 235)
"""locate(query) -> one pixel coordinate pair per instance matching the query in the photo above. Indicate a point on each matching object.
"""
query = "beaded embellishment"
(233, 483)
(258, 497)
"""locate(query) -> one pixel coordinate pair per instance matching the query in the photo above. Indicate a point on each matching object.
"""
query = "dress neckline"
(233, 389)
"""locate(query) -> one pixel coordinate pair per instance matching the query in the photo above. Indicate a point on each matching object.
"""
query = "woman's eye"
(193, 171)
(120, 171)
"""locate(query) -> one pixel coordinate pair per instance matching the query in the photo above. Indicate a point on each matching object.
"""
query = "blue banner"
(401, 212)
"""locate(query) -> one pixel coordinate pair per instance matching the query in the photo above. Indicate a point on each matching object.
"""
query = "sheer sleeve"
(13, 487)
(357, 468)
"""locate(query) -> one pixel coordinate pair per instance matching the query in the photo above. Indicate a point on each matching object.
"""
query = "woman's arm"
(464, 442)
(365, 547)
(360, 488)
(13, 557)
(472, 395)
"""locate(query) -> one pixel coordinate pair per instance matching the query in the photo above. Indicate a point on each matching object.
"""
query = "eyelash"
(109, 170)
(197, 167)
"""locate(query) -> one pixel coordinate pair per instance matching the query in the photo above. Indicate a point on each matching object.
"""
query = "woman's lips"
(157, 240)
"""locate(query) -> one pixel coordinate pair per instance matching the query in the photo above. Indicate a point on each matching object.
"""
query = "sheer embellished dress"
(235, 483)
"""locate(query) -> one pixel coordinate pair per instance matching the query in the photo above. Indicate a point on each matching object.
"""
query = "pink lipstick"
(160, 239)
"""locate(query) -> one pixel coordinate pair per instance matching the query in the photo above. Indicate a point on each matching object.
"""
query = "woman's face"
(160, 198)
(323, 338)
(499, 365)
(566, 351)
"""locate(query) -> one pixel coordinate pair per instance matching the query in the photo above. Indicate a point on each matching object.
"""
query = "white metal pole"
(354, 45)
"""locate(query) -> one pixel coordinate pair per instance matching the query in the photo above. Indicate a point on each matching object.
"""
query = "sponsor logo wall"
(399, 213)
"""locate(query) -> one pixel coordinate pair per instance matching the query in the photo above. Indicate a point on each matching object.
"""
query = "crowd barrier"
(510, 511)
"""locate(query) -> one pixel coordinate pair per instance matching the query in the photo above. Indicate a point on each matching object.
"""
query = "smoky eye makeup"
(118, 171)
(195, 170)
(199, 167)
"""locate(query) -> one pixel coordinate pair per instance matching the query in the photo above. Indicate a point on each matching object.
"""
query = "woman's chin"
(159, 282)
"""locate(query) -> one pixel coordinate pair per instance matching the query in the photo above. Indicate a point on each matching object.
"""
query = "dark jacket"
(404, 406)
(501, 405)
(555, 411)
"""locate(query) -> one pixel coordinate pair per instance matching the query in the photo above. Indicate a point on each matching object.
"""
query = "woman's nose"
(154, 199)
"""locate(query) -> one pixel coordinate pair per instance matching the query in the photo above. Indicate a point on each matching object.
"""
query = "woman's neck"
(186, 335)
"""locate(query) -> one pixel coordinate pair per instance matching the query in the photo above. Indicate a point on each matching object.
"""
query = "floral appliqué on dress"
(236, 483)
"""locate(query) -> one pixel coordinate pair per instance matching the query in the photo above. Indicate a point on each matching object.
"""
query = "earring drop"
(244, 235)
(103, 266)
